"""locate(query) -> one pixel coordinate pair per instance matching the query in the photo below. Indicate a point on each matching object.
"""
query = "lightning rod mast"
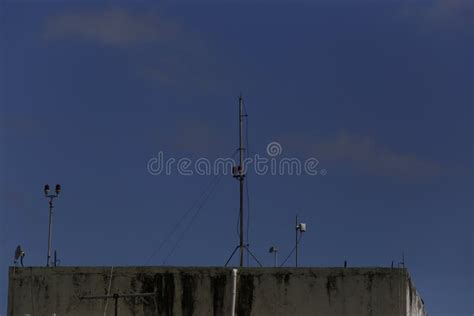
(241, 176)
(238, 172)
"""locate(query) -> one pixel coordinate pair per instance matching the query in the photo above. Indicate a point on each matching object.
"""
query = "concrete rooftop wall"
(208, 291)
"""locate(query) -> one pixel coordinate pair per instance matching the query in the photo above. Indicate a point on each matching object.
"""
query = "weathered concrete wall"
(414, 302)
(208, 291)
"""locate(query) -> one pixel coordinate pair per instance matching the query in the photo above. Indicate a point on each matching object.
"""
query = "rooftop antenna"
(402, 264)
(301, 228)
(19, 254)
(51, 197)
(116, 296)
(274, 250)
(238, 172)
(56, 261)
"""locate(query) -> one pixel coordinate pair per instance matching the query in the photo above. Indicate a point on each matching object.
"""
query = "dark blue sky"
(381, 94)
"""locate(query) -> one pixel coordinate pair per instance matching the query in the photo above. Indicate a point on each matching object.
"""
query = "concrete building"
(209, 291)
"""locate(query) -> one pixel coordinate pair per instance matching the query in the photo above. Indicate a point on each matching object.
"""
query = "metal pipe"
(234, 290)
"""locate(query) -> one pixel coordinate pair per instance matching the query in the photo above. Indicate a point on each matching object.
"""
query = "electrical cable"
(170, 233)
(192, 219)
(180, 221)
(291, 252)
(237, 224)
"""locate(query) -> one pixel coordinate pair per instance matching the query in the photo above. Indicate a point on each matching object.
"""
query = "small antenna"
(402, 264)
(56, 261)
(301, 228)
(51, 197)
(274, 250)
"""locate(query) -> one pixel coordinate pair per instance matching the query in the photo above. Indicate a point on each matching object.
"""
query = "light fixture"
(46, 189)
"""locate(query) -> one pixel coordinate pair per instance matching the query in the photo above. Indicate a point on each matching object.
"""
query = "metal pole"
(241, 180)
(116, 297)
(276, 258)
(296, 241)
(49, 229)
(234, 290)
(241, 223)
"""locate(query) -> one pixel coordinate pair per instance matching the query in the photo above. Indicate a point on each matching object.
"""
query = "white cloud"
(181, 58)
(113, 26)
(364, 154)
(443, 14)
(194, 138)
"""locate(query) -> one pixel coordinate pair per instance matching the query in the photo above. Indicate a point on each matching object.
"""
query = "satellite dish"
(19, 254)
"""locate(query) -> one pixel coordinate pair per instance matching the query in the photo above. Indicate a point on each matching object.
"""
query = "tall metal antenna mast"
(239, 173)
(241, 176)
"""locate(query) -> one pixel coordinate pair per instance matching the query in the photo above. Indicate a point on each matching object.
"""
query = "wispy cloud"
(21, 125)
(12, 198)
(181, 57)
(363, 154)
(442, 14)
(193, 137)
(112, 26)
